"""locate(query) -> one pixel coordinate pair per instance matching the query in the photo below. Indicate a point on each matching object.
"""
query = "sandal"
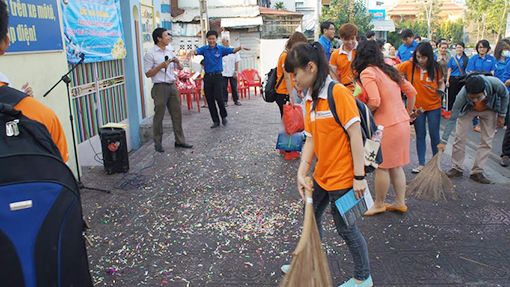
(391, 207)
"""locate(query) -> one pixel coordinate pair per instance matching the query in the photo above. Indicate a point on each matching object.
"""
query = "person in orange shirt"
(285, 85)
(425, 75)
(339, 161)
(341, 58)
(30, 107)
(383, 85)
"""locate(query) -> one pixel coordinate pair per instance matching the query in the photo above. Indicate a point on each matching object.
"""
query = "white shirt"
(229, 64)
(156, 56)
(4, 79)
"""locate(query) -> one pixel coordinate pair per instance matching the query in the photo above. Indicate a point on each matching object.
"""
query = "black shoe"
(237, 103)
(480, 178)
(224, 121)
(183, 145)
(215, 125)
(454, 173)
(159, 148)
(505, 161)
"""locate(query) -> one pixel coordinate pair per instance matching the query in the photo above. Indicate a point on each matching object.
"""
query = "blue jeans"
(351, 234)
(433, 118)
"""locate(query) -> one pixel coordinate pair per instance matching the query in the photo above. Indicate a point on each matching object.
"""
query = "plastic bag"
(293, 119)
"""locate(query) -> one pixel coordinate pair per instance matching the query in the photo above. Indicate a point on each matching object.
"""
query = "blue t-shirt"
(506, 73)
(499, 69)
(326, 45)
(405, 52)
(486, 64)
(213, 57)
(455, 68)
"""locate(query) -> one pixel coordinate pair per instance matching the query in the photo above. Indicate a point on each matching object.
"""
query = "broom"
(432, 183)
(309, 267)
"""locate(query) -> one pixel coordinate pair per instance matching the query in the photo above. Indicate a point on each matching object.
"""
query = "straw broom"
(309, 267)
(432, 183)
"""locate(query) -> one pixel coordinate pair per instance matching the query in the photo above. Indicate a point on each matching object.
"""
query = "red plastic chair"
(241, 87)
(252, 79)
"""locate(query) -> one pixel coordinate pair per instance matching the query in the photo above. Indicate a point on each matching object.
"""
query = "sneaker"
(352, 283)
(480, 178)
(285, 268)
(417, 169)
(453, 172)
(477, 128)
(505, 161)
(237, 103)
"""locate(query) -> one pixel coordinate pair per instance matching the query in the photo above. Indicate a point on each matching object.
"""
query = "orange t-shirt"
(480, 106)
(35, 110)
(282, 88)
(426, 97)
(334, 169)
(340, 60)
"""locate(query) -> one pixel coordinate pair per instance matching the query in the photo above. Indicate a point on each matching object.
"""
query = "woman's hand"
(302, 185)
(359, 187)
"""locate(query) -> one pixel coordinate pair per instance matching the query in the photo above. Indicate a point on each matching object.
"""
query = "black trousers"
(453, 90)
(213, 88)
(505, 149)
(233, 87)
(281, 100)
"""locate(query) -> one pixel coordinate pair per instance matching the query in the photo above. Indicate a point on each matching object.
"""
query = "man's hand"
(302, 185)
(441, 147)
(359, 187)
(501, 122)
(234, 75)
(27, 90)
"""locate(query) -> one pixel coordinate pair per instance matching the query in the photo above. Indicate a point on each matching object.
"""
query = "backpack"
(368, 126)
(41, 223)
(271, 84)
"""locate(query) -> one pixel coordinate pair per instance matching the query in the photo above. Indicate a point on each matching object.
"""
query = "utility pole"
(204, 20)
(318, 7)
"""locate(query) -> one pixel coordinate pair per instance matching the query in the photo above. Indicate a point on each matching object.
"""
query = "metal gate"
(98, 96)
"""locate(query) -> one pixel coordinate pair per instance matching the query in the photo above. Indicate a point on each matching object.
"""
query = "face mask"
(506, 53)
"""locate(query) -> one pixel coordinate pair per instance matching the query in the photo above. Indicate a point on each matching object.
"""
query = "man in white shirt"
(159, 64)
(230, 69)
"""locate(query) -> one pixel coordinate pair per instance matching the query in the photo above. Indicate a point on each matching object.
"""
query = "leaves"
(338, 13)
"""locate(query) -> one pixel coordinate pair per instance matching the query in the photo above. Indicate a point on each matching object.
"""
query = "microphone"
(166, 59)
(82, 58)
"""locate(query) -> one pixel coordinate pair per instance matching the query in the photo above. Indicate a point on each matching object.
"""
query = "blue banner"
(93, 28)
(34, 26)
(379, 14)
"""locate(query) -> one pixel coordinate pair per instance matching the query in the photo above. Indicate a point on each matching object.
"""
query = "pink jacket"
(385, 94)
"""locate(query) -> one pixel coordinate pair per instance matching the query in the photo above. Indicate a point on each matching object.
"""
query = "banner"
(93, 28)
(34, 26)
(379, 14)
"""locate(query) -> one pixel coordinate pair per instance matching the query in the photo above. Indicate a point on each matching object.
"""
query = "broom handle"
(307, 227)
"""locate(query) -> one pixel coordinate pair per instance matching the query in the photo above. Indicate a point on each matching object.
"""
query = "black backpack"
(41, 240)
(368, 126)
(270, 86)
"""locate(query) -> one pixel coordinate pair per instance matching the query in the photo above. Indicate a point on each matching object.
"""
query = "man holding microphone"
(159, 64)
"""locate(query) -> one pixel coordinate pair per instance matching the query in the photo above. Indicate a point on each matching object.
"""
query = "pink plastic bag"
(293, 120)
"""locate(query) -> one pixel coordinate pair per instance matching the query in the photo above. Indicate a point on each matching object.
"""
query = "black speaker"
(114, 147)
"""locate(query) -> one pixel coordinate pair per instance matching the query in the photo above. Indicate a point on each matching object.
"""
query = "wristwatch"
(359, 177)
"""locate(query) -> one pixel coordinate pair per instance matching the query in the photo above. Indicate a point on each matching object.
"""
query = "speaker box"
(114, 147)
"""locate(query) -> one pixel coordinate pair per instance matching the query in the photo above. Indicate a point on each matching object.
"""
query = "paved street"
(227, 213)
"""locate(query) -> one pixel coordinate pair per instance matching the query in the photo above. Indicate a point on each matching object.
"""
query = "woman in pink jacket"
(383, 86)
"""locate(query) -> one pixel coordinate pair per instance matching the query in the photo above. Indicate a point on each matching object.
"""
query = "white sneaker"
(417, 169)
(285, 268)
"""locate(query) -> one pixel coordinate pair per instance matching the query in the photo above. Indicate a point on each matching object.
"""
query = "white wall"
(270, 51)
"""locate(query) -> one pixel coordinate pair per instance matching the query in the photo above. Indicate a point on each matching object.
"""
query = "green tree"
(279, 6)
(453, 31)
(338, 13)
(489, 16)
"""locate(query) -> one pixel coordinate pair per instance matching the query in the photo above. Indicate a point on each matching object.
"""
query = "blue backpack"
(41, 225)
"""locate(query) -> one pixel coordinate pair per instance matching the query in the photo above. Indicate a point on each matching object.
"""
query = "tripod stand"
(65, 78)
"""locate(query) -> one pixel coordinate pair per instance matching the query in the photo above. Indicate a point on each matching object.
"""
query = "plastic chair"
(252, 79)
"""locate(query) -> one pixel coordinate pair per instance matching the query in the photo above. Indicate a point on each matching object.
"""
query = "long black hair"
(432, 67)
(369, 54)
(303, 53)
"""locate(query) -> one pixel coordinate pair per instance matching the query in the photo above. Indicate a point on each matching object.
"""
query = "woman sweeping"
(383, 85)
(340, 162)
(425, 75)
